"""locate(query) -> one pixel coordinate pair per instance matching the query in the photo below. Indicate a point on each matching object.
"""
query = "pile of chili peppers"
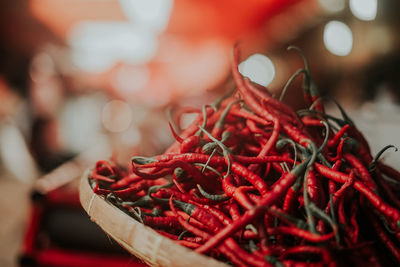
(253, 183)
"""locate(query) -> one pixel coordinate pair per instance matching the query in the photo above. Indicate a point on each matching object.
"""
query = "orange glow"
(193, 53)
(60, 15)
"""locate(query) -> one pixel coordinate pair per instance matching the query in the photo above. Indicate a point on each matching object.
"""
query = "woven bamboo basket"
(138, 239)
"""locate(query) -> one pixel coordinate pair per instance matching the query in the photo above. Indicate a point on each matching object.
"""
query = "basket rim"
(139, 240)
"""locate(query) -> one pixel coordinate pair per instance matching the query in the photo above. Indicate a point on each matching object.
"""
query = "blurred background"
(84, 80)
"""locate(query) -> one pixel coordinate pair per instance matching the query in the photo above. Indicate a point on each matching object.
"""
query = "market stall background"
(86, 80)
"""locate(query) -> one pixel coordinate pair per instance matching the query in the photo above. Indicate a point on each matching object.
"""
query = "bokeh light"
(97, 46)
(14, 154)
(150, 14)
(338, 38)
(364, 9)
(80, 122)
(117, 116)
(332, 6)
(130, 79)
(258, 68)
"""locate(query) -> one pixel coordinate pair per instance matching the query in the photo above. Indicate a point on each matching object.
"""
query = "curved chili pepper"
(190, 130)
(336, 138)
(300, 233)
(132, 190)
(189, 144)
(391, 213)
(323, 252)
(126, 181)
(196, 211)
(372, 165)
(169, 222)
(253, 178)
(280, 107)
(384, 238)
(339, 194)
(353, 220)
(276, 191)
(310, 91)
(221, 197)
(364, 174)
(219, 125)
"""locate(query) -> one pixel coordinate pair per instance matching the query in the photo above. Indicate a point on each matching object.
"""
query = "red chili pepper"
(353, 220)
(310, 121)
(213, 197)
(224, 219)
(177, 115)
(168, 192)
(188, 244)
(253, 178)
(253, 128)
(291, 263)
(100, 191)
(250, 117)
(279, 188)
(340, 193)
(291, 196)
(154, 175)
(170, 222)
(290, 199)
(272, 140)
(300, 233)
(278, 168)
(282, 109)
(234, 211)
(189, 131)
(341, 212)
(372, 164)
(339, 150)
(174, 134)
(132, 190)
(201, 215)
(99, 177)
(389, 171)
(332, 143)
(313, 187)
(323, 252)
(219, 125)
(245, 200)
(190, 143)
(230, 243)
(310, 91)
(387, 189)
(364, 175)
(164, 161)
(248, 98)
(392, 214)
(126, 181)
(383, 237)
(191, 171)
(332, 184)
(363, 148)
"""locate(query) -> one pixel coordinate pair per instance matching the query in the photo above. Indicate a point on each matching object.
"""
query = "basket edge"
(154, 249)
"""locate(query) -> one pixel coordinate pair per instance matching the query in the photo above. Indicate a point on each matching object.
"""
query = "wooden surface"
(138, 239)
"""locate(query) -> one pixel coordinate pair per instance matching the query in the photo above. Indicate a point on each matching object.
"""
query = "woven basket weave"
(140, 240)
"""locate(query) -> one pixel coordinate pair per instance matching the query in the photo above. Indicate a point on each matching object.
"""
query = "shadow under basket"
(138, 239)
